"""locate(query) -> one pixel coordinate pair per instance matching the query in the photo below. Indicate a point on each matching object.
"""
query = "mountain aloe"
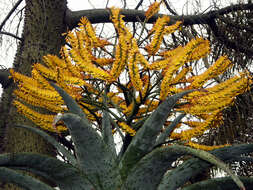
(159, 110)
(96, 166)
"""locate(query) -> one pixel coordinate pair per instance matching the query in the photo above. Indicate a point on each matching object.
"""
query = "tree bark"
(43, 26)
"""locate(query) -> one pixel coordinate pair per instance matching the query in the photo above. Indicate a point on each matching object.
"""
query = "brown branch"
(103, 15)
(9, 14)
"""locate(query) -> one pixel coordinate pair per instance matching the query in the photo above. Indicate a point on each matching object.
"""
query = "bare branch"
(103, 15)
(12, 35)
(9, 14)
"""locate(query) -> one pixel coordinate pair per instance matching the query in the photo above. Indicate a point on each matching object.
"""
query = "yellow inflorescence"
(139, 78)
(127, 128)
(152, 10)
(205, 147)
(43, 120)
(159, 32)
(212, 121)
(216, 69)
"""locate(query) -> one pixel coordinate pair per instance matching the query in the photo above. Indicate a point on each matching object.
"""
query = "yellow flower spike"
(143, 61)
(97, 72)
(158, 29)
(134, 70)
(42, 82)
(43, 120)
(103, 61)
(72, 40)
(214, 120)
(39, 102)
(118, 22)
(89, 34)
(161, 64)
(127, 128)
(49, 95)
(196, 109)
(193, 124)
(172, 28)
(127, 110)
(219, 67)
(121, 58)
(17, 77)
(226, 84)
(180, 77)
(198, 49)
(222, 95)
(145, 79)
(52, 61)
(176, 135)
(167, 79)
(86, 27)
(83, 49)
(125, 41)
(152, 10)
(172, 52)
(205, 147)
(87, 66)
(46, 72)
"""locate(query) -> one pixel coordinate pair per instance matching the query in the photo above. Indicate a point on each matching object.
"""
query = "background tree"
(54, 18)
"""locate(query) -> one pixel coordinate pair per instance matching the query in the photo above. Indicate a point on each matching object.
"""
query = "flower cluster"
(136, 83)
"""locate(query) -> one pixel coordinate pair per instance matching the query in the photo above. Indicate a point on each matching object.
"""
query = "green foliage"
(144, 165)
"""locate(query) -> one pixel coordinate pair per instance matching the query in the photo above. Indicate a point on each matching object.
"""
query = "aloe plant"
(146, 164)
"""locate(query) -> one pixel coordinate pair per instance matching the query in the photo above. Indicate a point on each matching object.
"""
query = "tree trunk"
(43, 26)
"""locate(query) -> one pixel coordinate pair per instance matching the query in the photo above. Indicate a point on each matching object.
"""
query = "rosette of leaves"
(144, 165)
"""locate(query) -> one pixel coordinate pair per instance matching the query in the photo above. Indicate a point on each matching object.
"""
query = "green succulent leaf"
(148, 172)
(69, 101)
(224, 183)
(63, 175)
(194, 166)
(162, 138)
(94, 156)
(146, 136)
(204, 155)
(107, 128)
(53, 142)
(22, 180)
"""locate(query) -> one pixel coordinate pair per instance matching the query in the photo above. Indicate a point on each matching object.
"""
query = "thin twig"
(9, 14)
(12, 35)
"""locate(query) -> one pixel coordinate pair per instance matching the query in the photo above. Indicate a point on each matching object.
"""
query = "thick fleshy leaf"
(69, 101)
(106, 127)
(194, 166)
(155, 164)
(146, 136)
(204, 155)
(22, 180)
(224, 183)
(94, 156)
(148, 172)
(162, 138)
(53, 142)
(63, 175)
(107, 132)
